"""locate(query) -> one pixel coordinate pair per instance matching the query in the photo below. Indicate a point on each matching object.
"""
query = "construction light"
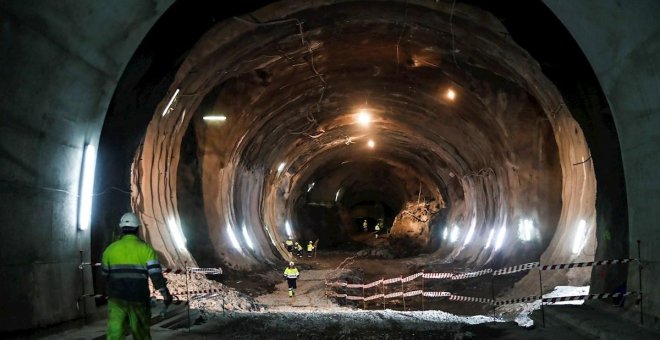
(364, 117)
(455, 231)
(310, 186)
(580, 237)
(246, 237)
(220, 118)
(490, 237)
(281, 167)
(371, 143)
(451, 95)
(86, 188)
(177, 234)
(500, 238)
(232, 238)
(468, 237)
(525, 230)
(445, 233)
(287, 226)
(167, 108)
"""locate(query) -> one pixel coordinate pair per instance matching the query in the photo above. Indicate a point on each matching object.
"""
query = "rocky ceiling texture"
(494, 175)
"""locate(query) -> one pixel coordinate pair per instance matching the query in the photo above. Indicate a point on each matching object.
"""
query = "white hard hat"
(129, 220)
(291, 264)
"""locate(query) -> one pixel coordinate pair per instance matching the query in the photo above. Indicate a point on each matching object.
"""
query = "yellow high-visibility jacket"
(289, 242)
(310, 247)
(291, 273)
(127, 265)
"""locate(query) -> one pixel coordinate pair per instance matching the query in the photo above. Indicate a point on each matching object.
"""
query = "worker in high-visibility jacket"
(365, 226)
(299, 249)
(291, 275)
(289, 244)
(310, 249)
(377, 228)
(127, 265)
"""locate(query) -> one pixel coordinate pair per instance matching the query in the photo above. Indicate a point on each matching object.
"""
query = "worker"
(299, 249)
(310, 249)
(291, 275)
(365, 226)
(127, 264)
(289, 245)
(377, 228)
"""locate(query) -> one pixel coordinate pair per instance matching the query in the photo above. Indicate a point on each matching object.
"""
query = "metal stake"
(641, 295)
(492, 291)
(541, 294)
(185, 266)
(422, 290)
(383, 289)
(364, 302)
(403, 297)
(82, 296)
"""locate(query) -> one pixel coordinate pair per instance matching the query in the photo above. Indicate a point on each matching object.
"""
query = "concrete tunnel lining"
(629, 136)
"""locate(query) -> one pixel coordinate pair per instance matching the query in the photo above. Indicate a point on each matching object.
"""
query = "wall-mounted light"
(337, 195)
(232, 238)
(215, 118)
(167, 108)
(500, 238)
(310, 186)
(287, 226)
(525, 229)
(470, 233)
(490, 237)
(580, 237)
(177, 234)
(371, 143)
(445, 233)
(85, 194)
(281, 167)
(455, 231)
(246, 237)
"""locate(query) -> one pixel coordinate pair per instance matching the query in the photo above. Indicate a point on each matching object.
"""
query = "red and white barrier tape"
(374, 297)
(437, 275)
(584, 264)
(585, 297)
(411, 277)
(470, 299)
(202, 291)
(354, 298)
(392, 280)
(412, 293)
(472, 274)
(436, 294)
(517, 300)
(354, 285)
(373, 284)
(393, 295)
(515, 269)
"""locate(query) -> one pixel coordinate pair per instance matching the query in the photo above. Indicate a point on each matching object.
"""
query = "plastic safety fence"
(584, 264)
(436, 294)
(207, 271)
(517, 300)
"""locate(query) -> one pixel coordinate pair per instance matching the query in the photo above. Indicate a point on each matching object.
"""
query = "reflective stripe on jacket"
(127, 264)
(289, 242)
(291, 273)
(310, 247)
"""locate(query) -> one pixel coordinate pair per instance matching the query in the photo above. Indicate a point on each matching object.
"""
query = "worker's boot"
(290, 292)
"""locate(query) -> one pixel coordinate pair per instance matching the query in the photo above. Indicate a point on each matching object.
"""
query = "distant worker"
(291, 275)
(289, 245)
(127, 265)
(299, 249)
(365, 226)
(310, 249)
(377, 229)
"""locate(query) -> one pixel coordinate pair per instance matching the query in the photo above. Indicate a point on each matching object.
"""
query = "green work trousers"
(124, 315)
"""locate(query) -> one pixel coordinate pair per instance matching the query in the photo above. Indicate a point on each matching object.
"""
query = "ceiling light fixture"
(363, 117)
(167, 108)
(451, 95)
(371, 143)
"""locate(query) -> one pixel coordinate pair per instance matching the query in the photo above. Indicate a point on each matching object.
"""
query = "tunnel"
(409, 136)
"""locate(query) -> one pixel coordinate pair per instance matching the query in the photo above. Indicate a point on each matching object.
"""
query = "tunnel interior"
(306, 119)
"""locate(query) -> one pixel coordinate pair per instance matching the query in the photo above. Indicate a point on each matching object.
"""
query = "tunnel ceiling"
(291, 80)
